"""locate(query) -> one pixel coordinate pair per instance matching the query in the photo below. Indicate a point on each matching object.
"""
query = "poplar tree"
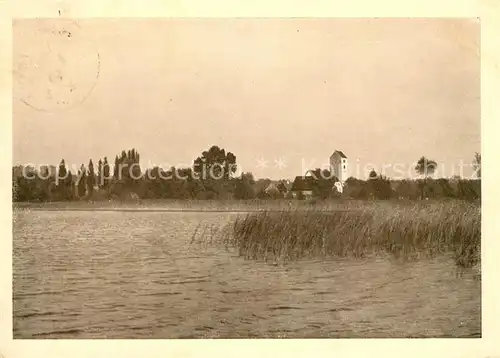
(82, 181)
(100, 175)
(105, 171)
(90, 179)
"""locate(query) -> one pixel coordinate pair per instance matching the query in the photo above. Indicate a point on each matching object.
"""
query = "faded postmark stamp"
(55, 67)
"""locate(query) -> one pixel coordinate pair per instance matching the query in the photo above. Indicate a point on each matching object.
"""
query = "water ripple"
(80, 274)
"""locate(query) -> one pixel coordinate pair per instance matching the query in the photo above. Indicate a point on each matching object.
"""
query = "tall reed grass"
(407, 231)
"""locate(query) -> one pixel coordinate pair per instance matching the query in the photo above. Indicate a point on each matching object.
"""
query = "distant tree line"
(442, 188)
(380, 187)
(212, 177)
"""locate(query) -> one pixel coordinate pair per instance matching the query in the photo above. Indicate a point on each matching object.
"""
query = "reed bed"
(408, 231)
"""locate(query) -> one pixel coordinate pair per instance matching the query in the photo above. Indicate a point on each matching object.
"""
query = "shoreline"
(145, 210)
(223, 206)
(160, 205)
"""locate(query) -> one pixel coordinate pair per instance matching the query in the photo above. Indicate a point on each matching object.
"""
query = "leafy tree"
(127, 175)
(373, 175)
(214, 169)
(476, 164)
(177, 186)
(29, 186)
(324, 183)
(469, 189)
(215, 164)
(15, 189)
(426, 167)
(380, 186)
(175, 183)
(152, 183)
(244, 187)
(407, 189)
(356, 189)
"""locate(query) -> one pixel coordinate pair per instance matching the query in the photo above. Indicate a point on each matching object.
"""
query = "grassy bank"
(405, 231)
(159, 204)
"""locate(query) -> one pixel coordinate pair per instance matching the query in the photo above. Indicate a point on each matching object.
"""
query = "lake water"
(136, 275)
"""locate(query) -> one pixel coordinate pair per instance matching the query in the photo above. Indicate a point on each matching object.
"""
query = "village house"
(278, 189)
(303, 185)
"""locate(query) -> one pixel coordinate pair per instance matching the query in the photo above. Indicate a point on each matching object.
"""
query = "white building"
(339, 165)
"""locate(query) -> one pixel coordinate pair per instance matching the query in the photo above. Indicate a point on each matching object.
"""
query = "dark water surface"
(136, 275)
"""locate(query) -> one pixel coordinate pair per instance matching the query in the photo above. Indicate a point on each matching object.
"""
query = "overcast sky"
(383, 91)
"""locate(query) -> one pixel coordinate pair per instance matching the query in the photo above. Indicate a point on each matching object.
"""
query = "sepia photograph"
(190, 178)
